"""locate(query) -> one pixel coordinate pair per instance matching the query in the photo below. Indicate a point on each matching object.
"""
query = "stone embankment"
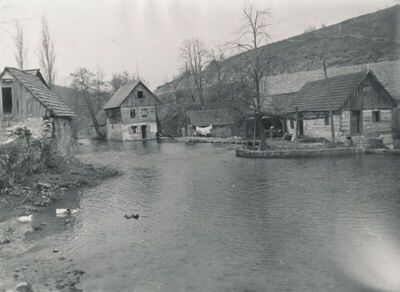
(19, 157)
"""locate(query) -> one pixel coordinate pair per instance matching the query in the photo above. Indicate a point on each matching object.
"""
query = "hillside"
(369, 38)
(76, 100)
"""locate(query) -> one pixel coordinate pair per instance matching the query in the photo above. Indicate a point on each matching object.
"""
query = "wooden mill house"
(131, 113)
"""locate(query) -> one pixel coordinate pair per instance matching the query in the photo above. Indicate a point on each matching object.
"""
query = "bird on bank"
(25, 219)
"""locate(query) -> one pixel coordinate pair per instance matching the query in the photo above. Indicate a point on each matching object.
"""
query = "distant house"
(360, 104)
(131, 113)
(223, 121)
(25, 94)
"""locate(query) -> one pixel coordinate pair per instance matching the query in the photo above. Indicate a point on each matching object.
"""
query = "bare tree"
(195, 56)
(47, 55)
(83, 79)
(252, 37)
(99, 85)
(19, 45)
(217, 74)
(121, 79)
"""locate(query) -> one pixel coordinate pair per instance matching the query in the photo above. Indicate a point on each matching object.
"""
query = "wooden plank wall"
(25, 105)
(369, 95)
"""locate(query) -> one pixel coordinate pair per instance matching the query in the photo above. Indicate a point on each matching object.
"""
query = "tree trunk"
(263, 144)
(99, 133)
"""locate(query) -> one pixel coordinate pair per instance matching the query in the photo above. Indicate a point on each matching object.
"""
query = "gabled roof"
(388, 74)
(215, 117)
(122, 93)
(314, 95)
(34, 83)
(283, 103)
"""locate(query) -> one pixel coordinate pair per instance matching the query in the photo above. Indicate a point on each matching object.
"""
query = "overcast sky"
(119, 35)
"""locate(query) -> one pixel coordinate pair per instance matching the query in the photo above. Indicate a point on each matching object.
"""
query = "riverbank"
(36, 179)
(36, 194)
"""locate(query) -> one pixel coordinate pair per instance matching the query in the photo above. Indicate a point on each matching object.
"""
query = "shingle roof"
(122, 93)
(216, 117)
(34, 84)
(387, 73)
(283, 103)
(313, 96)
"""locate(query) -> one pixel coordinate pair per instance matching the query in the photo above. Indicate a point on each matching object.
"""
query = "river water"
(210, 221)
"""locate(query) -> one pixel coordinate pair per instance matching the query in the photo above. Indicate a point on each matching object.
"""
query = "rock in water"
(23, 287)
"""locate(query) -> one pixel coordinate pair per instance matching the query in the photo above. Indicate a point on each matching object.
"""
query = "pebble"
(55, 250)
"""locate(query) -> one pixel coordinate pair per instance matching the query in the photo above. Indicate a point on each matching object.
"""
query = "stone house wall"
(317, 127)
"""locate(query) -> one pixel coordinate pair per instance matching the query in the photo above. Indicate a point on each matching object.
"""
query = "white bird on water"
(25, 219)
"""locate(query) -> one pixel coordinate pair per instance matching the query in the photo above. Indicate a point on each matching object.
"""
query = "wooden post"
(297, 123)
(330, 105)
(254, 132)
(283, 123)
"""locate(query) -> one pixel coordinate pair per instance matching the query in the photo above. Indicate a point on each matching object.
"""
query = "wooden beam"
(330, 105)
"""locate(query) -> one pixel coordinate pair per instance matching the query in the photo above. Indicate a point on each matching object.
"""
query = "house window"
(7, 100)
(376, 116)
(133, 113)
(366, 87)
(326, 121)
(140, 94)
(144, 112)
(134, 129)
(291, 124)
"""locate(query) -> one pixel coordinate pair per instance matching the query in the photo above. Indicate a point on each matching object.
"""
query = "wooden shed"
(25, 95)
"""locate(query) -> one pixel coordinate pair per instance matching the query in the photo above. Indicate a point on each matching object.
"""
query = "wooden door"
(301, 128)
(144, 132)
(355, 123)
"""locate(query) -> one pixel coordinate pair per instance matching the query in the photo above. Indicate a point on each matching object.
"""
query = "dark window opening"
(326, 121)
(376, 116)
(144, 112)
(134, 129)
(7, 100)
(291, 124)
(140, 94)
(133, 113)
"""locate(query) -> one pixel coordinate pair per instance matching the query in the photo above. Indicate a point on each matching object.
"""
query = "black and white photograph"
(200, 145)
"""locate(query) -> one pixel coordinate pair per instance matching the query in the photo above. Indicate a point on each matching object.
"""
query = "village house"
(131, 113)
(221, 122)
(360, 104)
(25, 95)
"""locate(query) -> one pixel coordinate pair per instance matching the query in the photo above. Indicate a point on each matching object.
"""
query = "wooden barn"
(360, 104)
(131, 113)
(25, 95)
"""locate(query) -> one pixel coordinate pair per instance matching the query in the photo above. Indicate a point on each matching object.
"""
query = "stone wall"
(64, 136)
(317, 127)
(19, 157)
